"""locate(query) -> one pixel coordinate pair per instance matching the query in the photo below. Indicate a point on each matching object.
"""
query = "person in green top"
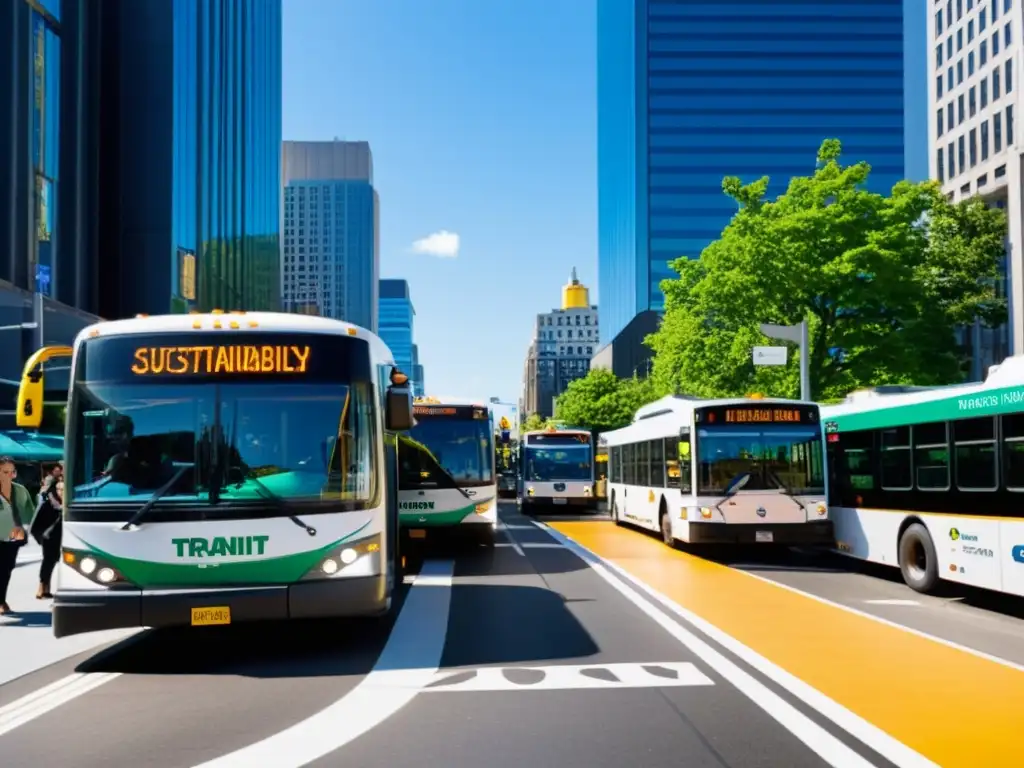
(15, 509)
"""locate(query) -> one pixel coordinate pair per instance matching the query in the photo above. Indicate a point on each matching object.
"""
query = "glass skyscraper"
(330, 255)
(50, 175)
(195, 155)
(690, 91)
(396, 320)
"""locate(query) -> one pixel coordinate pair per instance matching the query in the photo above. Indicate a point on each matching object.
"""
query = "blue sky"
(482, 120)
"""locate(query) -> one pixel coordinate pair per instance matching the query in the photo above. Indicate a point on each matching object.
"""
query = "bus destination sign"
(454, 411)
(221, 359)
(760, 414)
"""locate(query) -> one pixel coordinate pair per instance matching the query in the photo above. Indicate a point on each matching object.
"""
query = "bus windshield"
(788, 458)
(445, 451)
(558, 457)
(228, 439)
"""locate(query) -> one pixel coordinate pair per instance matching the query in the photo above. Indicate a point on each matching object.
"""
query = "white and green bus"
(446, 479)
(225, 468)
(931, 480)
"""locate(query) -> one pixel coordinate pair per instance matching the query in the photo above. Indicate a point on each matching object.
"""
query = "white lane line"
(412, 654)
(48, 698)
(541, 545)
(517, 527)
(892, 602)
(511, 538)
(893, 624)
(827, 746)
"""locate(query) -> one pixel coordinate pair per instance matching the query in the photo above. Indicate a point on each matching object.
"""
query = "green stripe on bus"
(285, 569)
(967, 406)
(424, 519)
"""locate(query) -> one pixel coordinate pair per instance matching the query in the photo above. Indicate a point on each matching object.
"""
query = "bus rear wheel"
(918, 562)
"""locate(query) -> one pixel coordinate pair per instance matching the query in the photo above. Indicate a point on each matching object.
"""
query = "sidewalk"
(26, 639)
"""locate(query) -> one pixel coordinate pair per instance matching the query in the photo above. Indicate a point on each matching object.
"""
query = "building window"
(45, 149)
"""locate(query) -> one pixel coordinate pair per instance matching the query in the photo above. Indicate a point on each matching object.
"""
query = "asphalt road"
(521, 655)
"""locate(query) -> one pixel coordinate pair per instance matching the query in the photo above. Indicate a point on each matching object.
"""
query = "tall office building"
(396, 319)
(194, 155)
(563, 342)
(418, 383)
(690, 91)
(973, 48)
(50, 177)
(330, 257)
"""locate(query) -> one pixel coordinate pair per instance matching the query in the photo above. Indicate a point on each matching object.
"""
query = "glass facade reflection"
(199, 156)
(395, 321)
(49, 177)
(690, 91)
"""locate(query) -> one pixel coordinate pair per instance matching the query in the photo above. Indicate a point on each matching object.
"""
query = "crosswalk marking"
(568, 677)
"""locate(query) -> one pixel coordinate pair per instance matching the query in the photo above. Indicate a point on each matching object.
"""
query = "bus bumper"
(75, 612)
(816, 533)
(559, 502)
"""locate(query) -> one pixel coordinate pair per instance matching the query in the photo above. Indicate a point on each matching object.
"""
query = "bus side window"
(854, 467)
(671, 463)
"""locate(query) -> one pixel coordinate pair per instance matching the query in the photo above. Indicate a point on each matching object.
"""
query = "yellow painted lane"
(954, 708)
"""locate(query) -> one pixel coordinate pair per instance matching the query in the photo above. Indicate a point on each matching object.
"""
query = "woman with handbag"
(15, 507)
(46, 526)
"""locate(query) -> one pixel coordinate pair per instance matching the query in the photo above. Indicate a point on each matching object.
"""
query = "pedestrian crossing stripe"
(568, 677)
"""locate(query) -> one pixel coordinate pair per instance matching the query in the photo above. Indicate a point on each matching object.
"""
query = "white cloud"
(443, 244)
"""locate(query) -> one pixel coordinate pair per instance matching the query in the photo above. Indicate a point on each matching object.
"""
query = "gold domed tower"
(575, 295)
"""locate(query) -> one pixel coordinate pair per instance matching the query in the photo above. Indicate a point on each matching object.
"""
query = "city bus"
(224, 468)
(730, 471)
(931, 480)
(556, 468)
(446, 478)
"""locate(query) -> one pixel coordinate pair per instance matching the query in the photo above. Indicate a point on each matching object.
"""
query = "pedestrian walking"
(47, 526)
(15, 507)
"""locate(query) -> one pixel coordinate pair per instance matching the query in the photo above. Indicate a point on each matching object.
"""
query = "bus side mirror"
(30, 390)
(398, 408)
(30, 401)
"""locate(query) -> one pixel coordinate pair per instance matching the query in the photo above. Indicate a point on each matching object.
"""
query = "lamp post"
(798, 334)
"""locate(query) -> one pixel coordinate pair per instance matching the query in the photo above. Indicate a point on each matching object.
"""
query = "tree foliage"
(601, 401)
(532, 423)
(883, 281)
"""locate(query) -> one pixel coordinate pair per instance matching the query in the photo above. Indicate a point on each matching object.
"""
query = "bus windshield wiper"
(261, 489)
(278, 503)
(157, 495)
(451, 477)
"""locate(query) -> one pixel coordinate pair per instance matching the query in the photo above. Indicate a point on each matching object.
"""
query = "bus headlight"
(529, 491)
(586, 490)
(344, 555)
(95, 568)
(483, 507)
(705, 512)
(821, 509)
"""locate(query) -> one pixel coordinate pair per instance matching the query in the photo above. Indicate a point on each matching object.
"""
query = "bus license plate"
(418, 533)
(763, 536)
(205, 617)
(560, 501)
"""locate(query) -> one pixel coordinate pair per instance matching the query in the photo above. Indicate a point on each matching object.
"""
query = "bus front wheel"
(918, 561)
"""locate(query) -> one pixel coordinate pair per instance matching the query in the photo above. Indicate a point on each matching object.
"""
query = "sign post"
(799, 335)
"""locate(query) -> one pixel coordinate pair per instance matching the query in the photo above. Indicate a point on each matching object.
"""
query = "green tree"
(601, 401)
(532, 423)
(882, 279)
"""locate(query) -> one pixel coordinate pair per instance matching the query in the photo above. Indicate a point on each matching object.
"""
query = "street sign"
(43, 277)
(770, 355)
